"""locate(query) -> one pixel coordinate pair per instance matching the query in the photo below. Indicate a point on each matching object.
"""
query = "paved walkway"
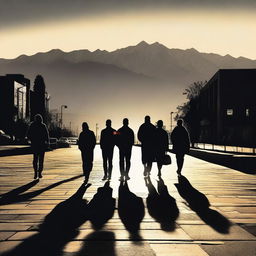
(217, 207)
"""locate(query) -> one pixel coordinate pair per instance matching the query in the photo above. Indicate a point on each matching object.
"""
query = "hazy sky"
(219, 26)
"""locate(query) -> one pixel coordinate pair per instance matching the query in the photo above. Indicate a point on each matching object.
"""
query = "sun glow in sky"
(223, 32)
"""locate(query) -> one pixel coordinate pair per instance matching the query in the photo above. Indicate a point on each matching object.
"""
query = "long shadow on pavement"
(20, 189)
(102, 206)
(199, 203)
(58, 228)
(131, 210)
(161, 206)
(12, 197)
(26, 150)
(98, 243)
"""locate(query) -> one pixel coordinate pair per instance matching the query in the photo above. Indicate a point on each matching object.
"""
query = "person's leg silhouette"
(41, 164)
(35, 164)
(121, 164)
(180, 161)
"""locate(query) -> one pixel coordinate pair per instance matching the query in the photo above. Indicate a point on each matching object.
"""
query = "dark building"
(14, 101)
(19, 104)
(227, 108)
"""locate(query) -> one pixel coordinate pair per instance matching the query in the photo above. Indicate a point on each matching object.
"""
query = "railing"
(225, 148)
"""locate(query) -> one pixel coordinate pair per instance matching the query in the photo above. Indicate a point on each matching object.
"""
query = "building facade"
(227, 108)
(19, 104)
(14, 101)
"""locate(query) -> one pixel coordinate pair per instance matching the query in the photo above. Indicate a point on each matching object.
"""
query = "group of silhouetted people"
(154, 146)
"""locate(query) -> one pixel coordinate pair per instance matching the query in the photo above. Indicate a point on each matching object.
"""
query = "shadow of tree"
(161, 206)
(199, 203)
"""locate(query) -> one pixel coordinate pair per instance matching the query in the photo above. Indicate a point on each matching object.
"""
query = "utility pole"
(61, 114)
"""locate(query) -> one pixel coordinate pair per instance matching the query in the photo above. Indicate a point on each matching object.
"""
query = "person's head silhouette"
(160, 124)
(125, 121)
(38, 118)
(108, 123)
(180, 122)
(85, 126)
(147, 119)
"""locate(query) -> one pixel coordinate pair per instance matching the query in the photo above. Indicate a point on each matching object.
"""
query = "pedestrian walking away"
(146, 135)
(161, 145)
(86, 144)
(181, 143)
(107, 143)
(39, 137)
(125, 141)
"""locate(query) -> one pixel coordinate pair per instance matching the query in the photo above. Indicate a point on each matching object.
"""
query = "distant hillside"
(100, 81)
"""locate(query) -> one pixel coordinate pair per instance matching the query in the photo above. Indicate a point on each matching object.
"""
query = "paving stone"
(243, 221)
(239, 209)
(178, 250)
(117, 248)
(25, 211)
(12, 206)
(5, 235)
(251, 228)
(178, 234)
(13, 227)
(236, 248)
(22, 235)
(204, 232)
(8, 245)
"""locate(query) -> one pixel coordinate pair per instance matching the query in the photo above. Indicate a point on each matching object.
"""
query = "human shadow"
(14, 197)
(58, 228)
(20, 189)
(102, 206)
(199, 203)
(161, 206)
(98, 243)
(16, 151)
(131, 210)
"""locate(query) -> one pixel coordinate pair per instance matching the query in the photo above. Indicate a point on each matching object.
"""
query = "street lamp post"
(61, 114)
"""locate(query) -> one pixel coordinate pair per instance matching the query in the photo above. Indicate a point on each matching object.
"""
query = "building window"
(247, 112)
(20, 100)
(230, 112)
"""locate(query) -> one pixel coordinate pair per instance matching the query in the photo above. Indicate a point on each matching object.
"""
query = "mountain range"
(136, 79)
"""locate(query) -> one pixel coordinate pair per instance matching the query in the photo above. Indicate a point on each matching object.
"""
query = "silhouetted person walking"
(146, 136)
(125, 141)
(181, 144)
(86, 143)
(107, 143)
(39, 137)
(161, 145)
